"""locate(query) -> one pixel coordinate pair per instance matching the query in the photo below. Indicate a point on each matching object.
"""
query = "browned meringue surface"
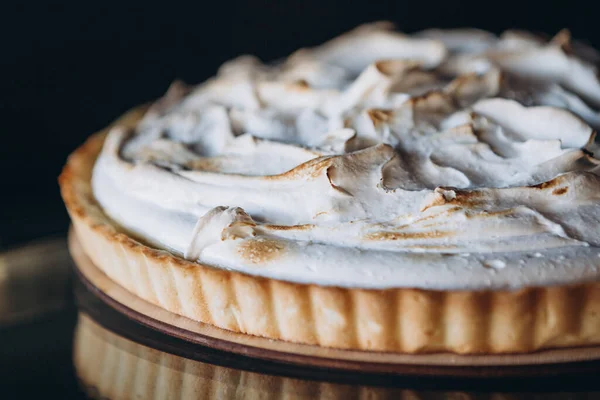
(404, 320)
(439, 160)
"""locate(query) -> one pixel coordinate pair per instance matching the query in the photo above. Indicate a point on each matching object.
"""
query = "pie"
(432, 192)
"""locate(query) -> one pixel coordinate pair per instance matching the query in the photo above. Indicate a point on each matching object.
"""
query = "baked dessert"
(411, 193)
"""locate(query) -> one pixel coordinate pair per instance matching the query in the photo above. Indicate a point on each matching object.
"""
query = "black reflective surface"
(35, 358)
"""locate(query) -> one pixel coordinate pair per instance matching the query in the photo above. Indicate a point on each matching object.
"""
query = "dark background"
(68, 69)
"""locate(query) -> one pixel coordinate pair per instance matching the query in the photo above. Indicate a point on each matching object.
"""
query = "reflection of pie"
(110, 366)
(98, 352)
(381, 192)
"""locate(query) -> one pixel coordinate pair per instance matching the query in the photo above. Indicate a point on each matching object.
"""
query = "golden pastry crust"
(398, 320)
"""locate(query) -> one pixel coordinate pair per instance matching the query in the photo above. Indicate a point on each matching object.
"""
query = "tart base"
(292, 355)
(391, 320)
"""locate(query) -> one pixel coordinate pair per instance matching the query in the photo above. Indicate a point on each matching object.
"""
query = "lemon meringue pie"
(411, 193)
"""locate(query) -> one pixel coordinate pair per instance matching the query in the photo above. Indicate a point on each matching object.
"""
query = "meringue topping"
(443, 159)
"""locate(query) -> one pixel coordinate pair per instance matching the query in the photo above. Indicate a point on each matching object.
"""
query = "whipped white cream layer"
(440, 160)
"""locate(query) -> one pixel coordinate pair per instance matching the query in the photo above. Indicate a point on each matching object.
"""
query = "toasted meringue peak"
(224, 223)
(356, 49)
(378, 151)
(461, 40)
(544, 123)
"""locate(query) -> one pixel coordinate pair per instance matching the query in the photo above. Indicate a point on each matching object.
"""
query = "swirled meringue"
(441, 160)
